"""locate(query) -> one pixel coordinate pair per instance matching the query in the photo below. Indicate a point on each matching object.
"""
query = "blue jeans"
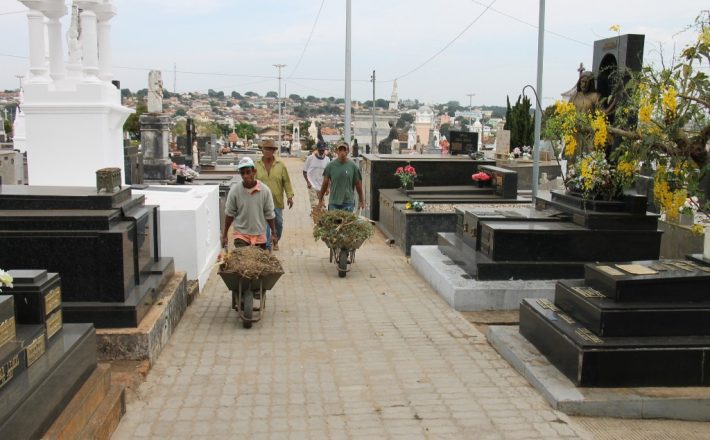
(342, 207)
(279, 227)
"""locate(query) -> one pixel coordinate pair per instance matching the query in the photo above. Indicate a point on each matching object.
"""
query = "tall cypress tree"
(520, 122)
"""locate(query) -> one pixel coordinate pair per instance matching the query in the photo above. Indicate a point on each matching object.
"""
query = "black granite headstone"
(37, 294)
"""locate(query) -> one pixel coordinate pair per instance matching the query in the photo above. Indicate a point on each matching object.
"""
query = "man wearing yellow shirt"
(273, 173)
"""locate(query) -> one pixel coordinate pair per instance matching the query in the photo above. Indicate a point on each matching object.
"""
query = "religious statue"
(313, 130)
(586, 99)
(155, 92)
(385, 145)
(411, 137)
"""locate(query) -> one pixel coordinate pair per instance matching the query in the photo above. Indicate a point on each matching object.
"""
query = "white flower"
(5, 279)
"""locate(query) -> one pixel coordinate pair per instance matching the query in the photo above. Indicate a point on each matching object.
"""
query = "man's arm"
(308, 182)
(272, 225)
(361, 199)
(286, 179)
(323, 190)
(228, 219)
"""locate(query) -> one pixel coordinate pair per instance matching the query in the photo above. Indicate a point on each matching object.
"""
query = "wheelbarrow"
(343, 255)
(244, 293)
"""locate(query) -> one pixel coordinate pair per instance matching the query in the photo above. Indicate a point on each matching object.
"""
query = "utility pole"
(174, 77)
(538, 108)
(279, 66)
(374, 126)
(348, 100)
(470, 110)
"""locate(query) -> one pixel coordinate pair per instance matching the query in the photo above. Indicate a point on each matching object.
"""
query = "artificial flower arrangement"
(5, 279)
(406, 175)
(481, 176)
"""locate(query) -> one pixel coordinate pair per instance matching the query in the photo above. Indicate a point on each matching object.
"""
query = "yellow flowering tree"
(661, 127)
(663, 122)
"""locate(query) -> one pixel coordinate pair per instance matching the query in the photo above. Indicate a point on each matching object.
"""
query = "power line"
(449, 43)
(14, 12)
(308, 41)
(534, 26)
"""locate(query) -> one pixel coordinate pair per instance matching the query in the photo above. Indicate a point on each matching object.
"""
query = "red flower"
(481, 177)
(400, 170)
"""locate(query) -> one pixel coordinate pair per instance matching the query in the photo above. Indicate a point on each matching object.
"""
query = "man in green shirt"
(273, 173)
(343, 177)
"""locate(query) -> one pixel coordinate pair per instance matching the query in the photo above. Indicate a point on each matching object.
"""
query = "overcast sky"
(232, 44)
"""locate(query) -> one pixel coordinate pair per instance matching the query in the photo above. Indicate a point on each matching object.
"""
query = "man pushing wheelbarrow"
(248, 273)
(341, 230)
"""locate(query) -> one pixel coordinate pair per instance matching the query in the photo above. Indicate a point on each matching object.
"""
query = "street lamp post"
(279, 66)
(348, 100)
(374, 126)
(470, 110)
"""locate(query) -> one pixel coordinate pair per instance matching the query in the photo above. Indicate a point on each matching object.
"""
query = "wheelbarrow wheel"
(343, 263)
(247, 308)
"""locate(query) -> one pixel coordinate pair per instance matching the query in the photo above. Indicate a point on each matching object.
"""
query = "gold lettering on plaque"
(589, 292)
(610, 271)
(588, 336)
(547, 304)
(54, 324)
(8, 370)
(35, 350)
(52, 300)
(7, 330)
(696, 266)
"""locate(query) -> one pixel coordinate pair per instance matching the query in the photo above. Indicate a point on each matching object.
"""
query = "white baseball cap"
(245, 162)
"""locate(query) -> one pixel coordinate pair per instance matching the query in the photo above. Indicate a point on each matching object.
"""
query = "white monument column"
(35, 22)
(54, 10)
(105, 13)
(89, 40)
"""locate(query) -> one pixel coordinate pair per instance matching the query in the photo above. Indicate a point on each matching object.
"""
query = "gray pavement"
(374, 355)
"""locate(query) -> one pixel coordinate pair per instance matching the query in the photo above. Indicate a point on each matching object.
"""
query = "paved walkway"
(375, 355)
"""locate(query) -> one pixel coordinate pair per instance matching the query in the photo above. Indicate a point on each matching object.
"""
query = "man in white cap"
(250, 207)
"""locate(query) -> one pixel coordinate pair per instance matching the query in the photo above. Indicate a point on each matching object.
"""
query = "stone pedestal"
(155, 135)
(133, 165)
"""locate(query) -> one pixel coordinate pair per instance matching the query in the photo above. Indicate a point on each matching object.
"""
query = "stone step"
(590, 361)
(107, 416)
(608, 318)
(81, 408)
(665, 280)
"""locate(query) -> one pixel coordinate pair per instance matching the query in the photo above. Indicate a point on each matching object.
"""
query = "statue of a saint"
(155, 92)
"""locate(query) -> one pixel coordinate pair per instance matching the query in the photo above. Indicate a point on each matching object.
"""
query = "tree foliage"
(132, 124)
(520, 122)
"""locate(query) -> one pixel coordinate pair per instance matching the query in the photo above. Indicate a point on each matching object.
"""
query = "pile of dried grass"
(342, 229)
(251, 262)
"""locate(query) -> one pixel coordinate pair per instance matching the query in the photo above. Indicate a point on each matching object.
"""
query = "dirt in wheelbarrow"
(251, 262)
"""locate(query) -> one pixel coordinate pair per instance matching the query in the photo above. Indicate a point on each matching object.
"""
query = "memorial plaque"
(610, 271)
(636, 269)
(462, 142)
(7, 331)
(54, 323)
(10, 363)
(32, 339)
(52, 300)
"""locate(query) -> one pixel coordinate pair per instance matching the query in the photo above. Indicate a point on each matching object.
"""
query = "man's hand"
(274, 238)
(290, 202)
(361, 204)
(321, 205)
(224, 241)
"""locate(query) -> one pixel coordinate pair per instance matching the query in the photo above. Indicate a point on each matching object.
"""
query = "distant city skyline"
(232, 45)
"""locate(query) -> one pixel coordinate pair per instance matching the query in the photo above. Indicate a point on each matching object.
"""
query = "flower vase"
(408, 186)
(686, 219)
